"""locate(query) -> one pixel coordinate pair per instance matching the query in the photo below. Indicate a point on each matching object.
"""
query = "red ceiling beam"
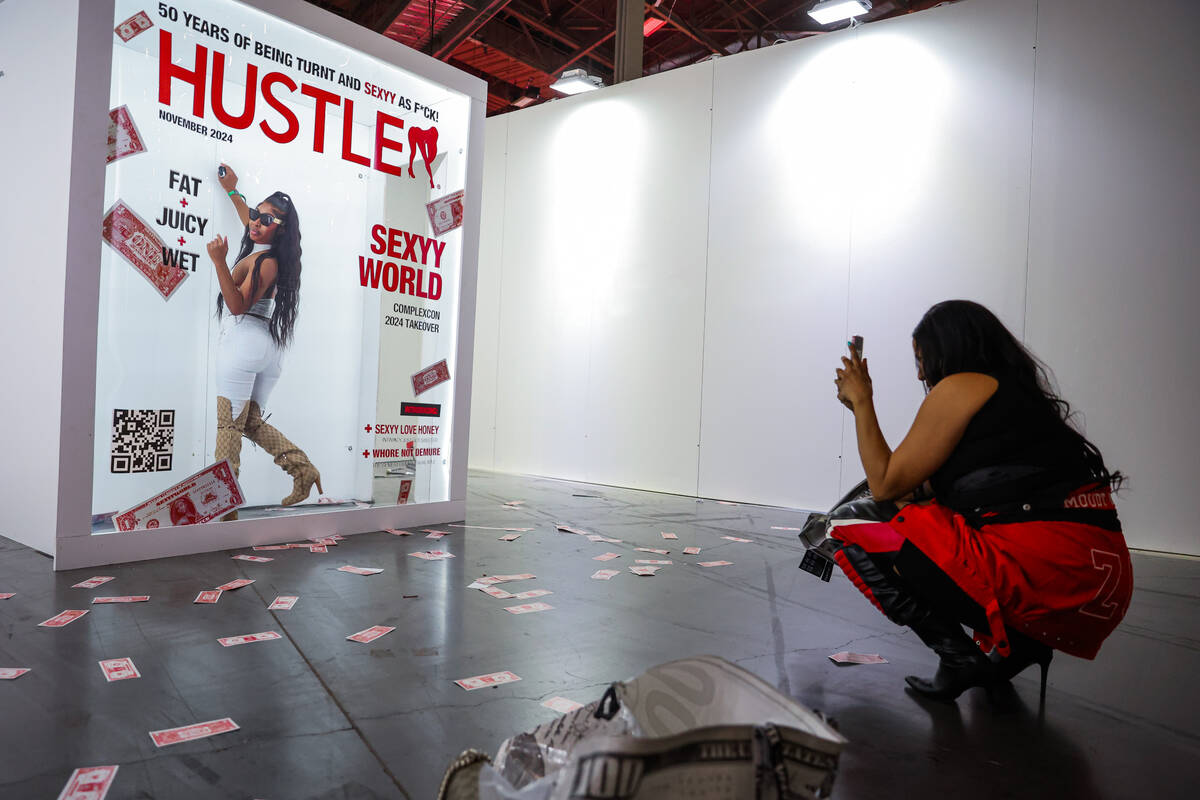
(464, 26)
(698, 36)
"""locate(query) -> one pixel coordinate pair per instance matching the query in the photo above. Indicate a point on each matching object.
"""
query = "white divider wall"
(36, 96)
(1114, 261)
(601, 327)
(487, 305)
(776, 312)
(1058, 191)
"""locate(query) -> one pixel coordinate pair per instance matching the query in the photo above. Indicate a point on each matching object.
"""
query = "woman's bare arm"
(936, 431)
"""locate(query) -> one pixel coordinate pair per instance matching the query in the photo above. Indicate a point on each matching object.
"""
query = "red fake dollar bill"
(360, 570)
(89, 783)
(532, 593)
(604, 574)
(136, 242)
(430, 377)
(562, 705)
(138, 23)
(254, 559)
(119, 669)
(92, 583)
(267, 636)
(203, 497)
(406, 485)
(208, 596)
(445, 213)
(12, 673)
(62, 619)
(370, 634)
(483, 681)
(528, 608)
(283, 603)
(189, 733)
(235, 584)
(128, 598)
(846, 657)
(691, 551)
(124, 139)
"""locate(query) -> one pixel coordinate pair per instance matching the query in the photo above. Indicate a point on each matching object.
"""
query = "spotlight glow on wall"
(574, 81)
(828, 11)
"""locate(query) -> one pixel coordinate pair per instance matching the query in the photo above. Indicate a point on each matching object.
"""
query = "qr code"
(143, 440)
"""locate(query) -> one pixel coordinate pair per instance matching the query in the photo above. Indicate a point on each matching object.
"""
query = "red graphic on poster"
(131, 27)
(446, 213)
(426, 142)
(184, 503)
(405, 491)
(124, 139)
(136, 242)
(430, 377)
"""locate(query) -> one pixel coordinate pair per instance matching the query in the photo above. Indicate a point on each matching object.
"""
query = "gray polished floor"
(322, 717)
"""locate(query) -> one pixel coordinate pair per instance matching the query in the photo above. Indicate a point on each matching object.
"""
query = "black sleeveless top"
(1013, 455)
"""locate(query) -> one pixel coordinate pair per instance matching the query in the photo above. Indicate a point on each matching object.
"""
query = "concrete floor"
(322, 717)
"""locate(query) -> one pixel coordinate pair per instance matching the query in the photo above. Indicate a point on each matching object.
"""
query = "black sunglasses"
(265, 219)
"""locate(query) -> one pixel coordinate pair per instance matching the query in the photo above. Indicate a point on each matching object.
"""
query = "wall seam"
(1037, 14)
(500, 296)
(712, 102)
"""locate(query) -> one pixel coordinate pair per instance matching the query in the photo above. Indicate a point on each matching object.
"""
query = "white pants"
(248, 361)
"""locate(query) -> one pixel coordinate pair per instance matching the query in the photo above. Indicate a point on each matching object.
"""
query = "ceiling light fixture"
(528, 97)
(828, 11)
(574, 81)
(652, 24)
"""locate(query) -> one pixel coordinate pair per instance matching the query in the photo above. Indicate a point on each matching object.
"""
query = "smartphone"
(221, 171)
(857, 343)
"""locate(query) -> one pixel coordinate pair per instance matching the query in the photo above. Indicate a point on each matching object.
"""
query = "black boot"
(962, 664)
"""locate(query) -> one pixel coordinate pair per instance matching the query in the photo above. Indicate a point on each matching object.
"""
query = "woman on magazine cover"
(261, 294)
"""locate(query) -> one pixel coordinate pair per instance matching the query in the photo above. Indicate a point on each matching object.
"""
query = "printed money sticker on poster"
(446, 213)
(234, 136)
(200, 498)
(123, 137)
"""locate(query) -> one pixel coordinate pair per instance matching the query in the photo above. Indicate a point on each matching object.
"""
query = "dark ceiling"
(520, 47)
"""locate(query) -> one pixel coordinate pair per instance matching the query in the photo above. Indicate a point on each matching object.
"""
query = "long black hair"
(961, 336)
(285, 248)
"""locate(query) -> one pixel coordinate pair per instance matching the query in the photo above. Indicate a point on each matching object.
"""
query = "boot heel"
(319, 489)
(1045, 665)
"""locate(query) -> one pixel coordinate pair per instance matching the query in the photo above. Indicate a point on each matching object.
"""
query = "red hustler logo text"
(209, 84)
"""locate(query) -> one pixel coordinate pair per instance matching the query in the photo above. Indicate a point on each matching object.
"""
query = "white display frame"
(75, 545)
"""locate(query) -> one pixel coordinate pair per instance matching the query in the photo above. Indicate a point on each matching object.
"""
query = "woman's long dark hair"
(286, 249)
(962, 336)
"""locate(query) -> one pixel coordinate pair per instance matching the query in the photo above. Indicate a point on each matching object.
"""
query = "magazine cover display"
(280, 273)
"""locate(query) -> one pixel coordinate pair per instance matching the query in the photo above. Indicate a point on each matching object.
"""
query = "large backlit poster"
(333, 243)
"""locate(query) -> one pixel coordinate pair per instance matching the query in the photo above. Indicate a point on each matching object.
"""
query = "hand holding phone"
(856, 344)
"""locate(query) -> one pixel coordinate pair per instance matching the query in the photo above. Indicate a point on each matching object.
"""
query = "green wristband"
(239, 194)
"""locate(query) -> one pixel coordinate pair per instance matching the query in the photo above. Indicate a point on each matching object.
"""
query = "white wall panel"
(37, 40)
(937, 148)
(487, 303)
(1114, 270)
(604, 249)
(778, 254)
